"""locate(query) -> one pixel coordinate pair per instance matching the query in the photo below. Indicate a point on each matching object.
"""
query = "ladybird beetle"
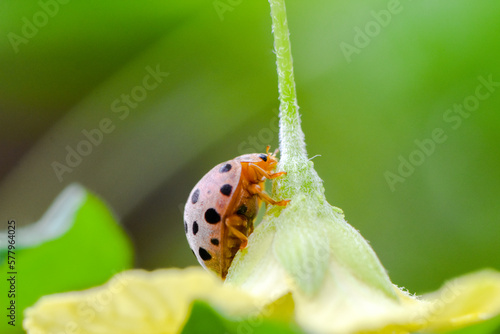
(221, 208)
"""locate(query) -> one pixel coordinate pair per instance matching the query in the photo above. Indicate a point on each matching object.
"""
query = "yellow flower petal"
(136, 301)
(346, 305)
(461, 302)
(466, 300)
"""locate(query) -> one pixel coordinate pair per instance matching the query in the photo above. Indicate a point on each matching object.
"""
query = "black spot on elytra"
(214, 241)
(204, 254)
(185, 227)
(195, 228)
(242, 209)
(195, 196)
(212, 216)
(226, 168)
(226, 189)
(263, 157)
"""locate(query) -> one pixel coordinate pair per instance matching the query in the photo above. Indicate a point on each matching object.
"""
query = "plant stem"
(292, 144)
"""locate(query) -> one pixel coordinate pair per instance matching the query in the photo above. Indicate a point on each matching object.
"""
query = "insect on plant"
(221, 209)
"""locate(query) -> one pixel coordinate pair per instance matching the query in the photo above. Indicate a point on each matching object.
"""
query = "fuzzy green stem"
(292, 144)
(292, 237)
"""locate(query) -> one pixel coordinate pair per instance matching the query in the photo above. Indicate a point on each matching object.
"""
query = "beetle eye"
(263, 157)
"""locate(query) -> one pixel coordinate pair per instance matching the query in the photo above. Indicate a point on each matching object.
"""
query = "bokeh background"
(63, 72)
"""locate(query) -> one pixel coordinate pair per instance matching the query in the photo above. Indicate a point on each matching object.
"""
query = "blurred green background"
(67, 68)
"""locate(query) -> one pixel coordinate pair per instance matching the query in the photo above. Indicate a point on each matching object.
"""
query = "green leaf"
(204, 319)
(75, 245)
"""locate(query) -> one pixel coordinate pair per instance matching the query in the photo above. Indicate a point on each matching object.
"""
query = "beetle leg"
(260, 172)
(232, 223)
(256, 189)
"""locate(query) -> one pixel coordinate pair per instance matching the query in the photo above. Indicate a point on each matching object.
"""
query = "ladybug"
(221, 208)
